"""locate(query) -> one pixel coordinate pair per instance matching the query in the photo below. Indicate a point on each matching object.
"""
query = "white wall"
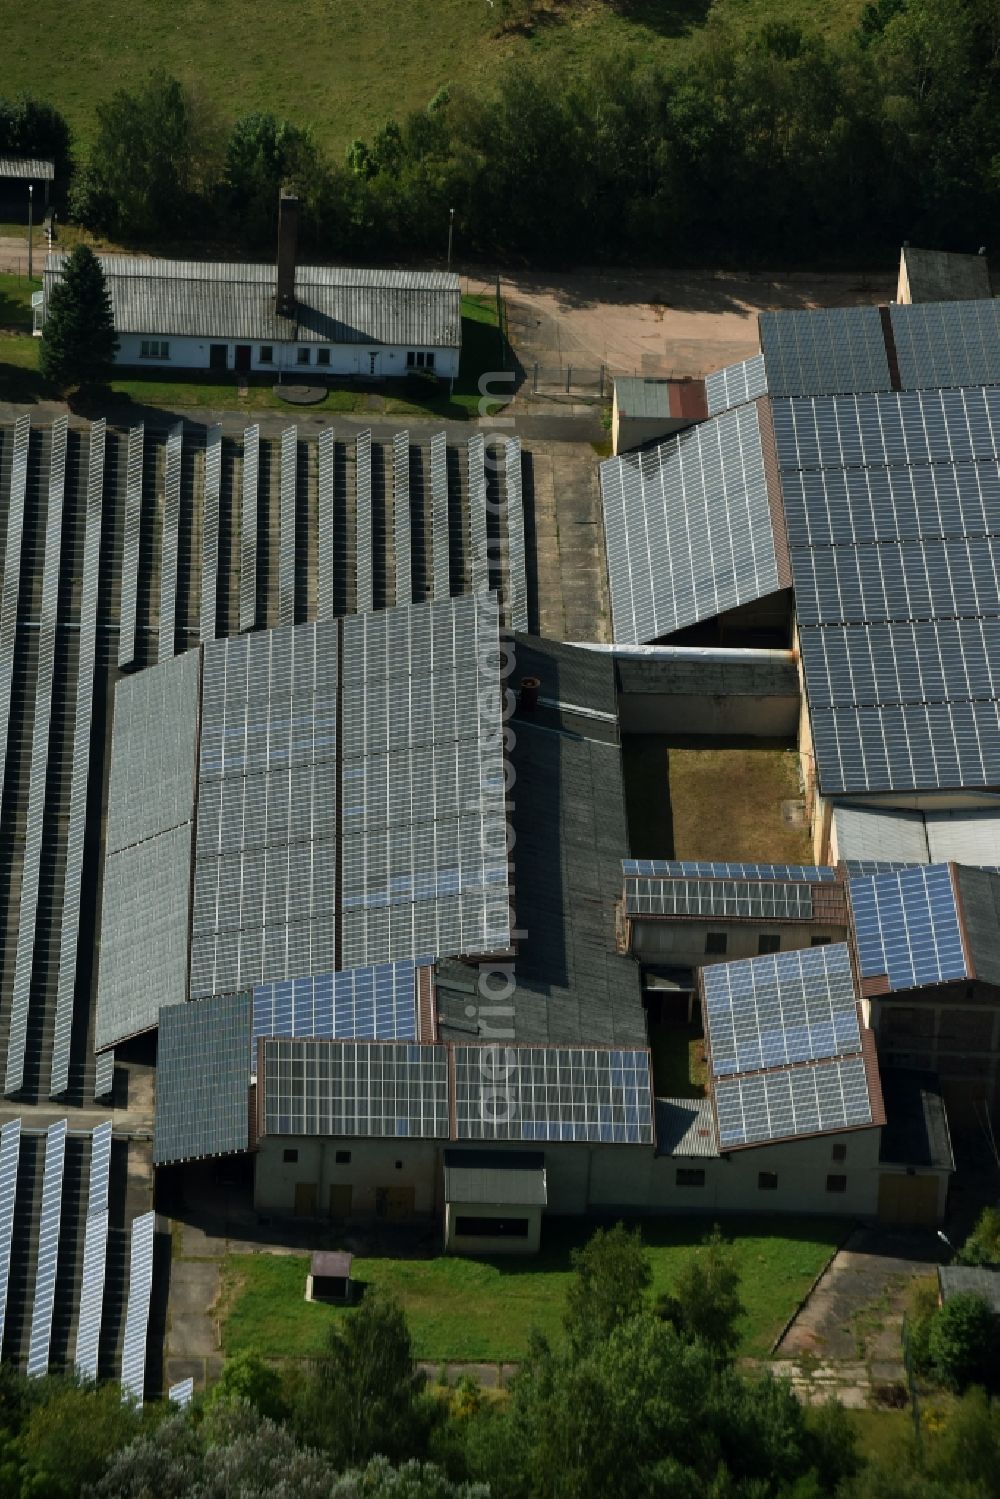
(482, 1243)
(372, 1165)
(345, 359)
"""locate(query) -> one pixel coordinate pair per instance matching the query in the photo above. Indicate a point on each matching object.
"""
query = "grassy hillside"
(341, 66)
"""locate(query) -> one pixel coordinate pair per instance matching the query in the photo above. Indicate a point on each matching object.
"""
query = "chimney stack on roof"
(288, 240)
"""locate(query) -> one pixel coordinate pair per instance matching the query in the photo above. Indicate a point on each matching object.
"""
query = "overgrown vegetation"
(630, 1397)
(781, 142)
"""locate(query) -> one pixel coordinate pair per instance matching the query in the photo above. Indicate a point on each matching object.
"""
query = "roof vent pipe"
(288, 243)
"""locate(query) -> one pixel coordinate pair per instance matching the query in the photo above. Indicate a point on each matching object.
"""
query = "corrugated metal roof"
(335, 304)
(27, 168)
(893, 834)
(968, 835)
(642, 398)
(978, 1279)
(685, 1126)
(514, 1178)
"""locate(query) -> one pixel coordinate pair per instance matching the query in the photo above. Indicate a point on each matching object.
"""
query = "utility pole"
(31, 196)
(451, 230)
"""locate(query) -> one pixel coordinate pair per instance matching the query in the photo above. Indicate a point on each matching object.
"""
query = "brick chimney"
(288, 238)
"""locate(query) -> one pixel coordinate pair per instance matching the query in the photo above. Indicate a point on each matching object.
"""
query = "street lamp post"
(31, 197)
(451, 230)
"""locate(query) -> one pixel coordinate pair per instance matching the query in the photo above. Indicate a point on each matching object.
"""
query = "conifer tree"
(79, 342)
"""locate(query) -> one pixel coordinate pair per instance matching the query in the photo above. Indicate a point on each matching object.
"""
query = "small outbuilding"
(494, 1201)
(981, 1280)
(17, 174)
(649, 410)
(329, 1277)
(940, 276)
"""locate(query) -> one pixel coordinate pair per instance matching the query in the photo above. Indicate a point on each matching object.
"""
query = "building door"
(374, 362)
(908, 1201)
(218, 356)
(340, 1202)
(305, 1199)
(243, 359)
(394, 1202)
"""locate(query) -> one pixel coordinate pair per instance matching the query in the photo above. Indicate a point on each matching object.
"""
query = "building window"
(322, 356)
(690, 1176)
(768, 942)
(836, 1184)
(416, 359)
(303, 356)
(839, 1153)
(343, 1158)
(491, 1228)
(399, 1165)
(767, 1181)
(430, 360)
(266, 355)
(819, 942)
(716, 942)
(154, 348)
(290, 1157)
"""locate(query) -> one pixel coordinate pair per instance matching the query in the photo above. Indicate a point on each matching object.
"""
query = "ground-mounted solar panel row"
(210, 533)
(169, 539)
(326, 549)
(130, 548)
(140, 1288)
(9, 597)
(44, 673)
(517, 586)
(401, 515)
(439, 516)
(286, 529)
(249, 528)
(476, 457)
(80, 785)
(365, 588)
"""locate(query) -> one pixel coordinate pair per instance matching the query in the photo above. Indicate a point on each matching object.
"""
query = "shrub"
(961, 1341)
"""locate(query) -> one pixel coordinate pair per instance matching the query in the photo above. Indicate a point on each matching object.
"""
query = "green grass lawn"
(340, 66)
(483, 1309)
(414, 398)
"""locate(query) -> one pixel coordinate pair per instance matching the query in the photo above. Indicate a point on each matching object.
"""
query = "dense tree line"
(639, 1399)
(783, 144)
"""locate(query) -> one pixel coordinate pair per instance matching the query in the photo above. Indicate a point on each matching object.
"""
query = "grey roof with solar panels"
(785, 1047)
(404, 749)
(203, 1079)
(882, 451)
(334, 304)
(572, 987)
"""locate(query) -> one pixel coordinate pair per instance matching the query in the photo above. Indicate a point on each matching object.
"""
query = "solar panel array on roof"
(358, 1004)
(549, 1093)
(824, 1096)
(389, 1089)
(736, 384)
(286, 534)
(424, 835)
(824, 351)
(906, 925)
(729, 900)
(781, 1008)
(892, 506)
(69, 933)
(688, 528)
(202, 1079)
(210, 534)
(153, 751)
(401, 516)
(947, 343)
(265, 870)
(248, 528)
(706, 869)
(140, 1288)
(130, 547)
(42, 720)
(49, 1226)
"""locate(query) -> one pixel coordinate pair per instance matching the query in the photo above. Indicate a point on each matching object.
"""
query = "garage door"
(907, 1200)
